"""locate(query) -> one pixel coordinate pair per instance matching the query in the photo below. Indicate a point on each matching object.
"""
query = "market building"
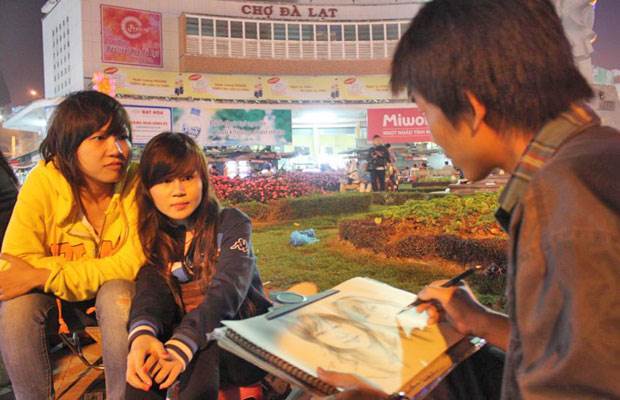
(307, 78)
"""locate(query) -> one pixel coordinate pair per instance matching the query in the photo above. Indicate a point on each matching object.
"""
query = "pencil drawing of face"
(367, 310)
(350, 341)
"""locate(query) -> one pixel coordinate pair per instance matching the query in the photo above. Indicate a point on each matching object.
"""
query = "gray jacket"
(564, 269)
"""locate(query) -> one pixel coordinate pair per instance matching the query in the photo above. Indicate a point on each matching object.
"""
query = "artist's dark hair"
(167, 156)
(4, 165)
(513, 55)
(77, 117)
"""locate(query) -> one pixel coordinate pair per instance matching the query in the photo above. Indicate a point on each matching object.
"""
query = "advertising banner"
(130, 36)
(212, 127)
(137, 82)
(367, 87)
(234, 127)
(148, 121)
(398, 125)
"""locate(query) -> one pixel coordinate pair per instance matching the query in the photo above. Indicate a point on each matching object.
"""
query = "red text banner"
(398, 125)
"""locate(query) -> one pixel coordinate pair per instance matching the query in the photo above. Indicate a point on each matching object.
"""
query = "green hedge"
(336, 204)
(307, 206)
(380, 238)
(397, 198)
(366, 234)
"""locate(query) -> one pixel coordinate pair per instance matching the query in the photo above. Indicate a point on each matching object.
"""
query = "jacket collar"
(68, 209)
(539, 151)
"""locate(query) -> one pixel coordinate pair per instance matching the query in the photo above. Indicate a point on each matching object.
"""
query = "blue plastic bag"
(301, 238)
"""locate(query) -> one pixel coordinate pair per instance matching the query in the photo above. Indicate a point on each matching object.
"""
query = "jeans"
(24, 323)
(377, 179)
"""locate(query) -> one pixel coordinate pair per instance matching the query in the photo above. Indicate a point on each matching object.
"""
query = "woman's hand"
(458, 305)
(20, 278)
(143, 356)
(169, 369)
(355, 387)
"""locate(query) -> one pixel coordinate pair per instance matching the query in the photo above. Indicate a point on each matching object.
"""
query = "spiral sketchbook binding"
(313, 382)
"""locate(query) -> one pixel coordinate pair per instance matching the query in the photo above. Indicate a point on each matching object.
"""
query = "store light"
(318, 116)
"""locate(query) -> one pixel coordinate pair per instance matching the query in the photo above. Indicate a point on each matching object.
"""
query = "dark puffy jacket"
(234, 292)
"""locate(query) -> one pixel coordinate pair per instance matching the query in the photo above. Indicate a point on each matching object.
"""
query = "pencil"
(452, 282)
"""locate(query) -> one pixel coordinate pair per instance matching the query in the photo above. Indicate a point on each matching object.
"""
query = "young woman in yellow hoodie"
(72, 236)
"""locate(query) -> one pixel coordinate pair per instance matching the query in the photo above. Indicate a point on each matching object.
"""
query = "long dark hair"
(167, 156)
(76, 118)
(7, 168)
(513, 55)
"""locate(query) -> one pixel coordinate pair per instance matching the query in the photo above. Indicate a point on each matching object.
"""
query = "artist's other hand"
(169, 369)
(142, 359)
(20, 278)
(355, 387)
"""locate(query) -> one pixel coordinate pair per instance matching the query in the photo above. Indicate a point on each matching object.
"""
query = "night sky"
(21, 54)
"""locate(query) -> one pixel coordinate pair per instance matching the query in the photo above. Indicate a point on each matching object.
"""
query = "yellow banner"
(139, 82)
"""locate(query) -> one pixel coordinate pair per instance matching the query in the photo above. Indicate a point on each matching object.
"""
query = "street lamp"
(33, 93)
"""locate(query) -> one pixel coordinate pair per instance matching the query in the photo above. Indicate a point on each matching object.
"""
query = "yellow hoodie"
(48, 230)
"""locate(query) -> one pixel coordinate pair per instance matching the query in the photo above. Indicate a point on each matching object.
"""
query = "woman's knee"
(114, 299)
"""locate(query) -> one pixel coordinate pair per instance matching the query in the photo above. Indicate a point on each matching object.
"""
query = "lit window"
(191, 26)
(221, 28)
(363, 32)
(307, 32)
(321, 33)
(250, 30)
(391, 31)
(403, 28)
(377, 32)
(279, 31)
(335, 33)
(293, 32)
(236, 29)
(207, 27)
(265, 31)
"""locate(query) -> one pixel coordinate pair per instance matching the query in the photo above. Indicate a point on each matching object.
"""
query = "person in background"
(353, 176)
(414, 173)
(378, 159)
(72, 237)
(517, 102)
(200, 270)
(392, 171)
(213, 170)
(9, 187)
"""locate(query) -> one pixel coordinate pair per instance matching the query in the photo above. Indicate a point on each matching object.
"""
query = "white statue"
(578, 21)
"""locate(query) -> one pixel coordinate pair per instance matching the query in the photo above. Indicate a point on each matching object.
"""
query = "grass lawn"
(330, 262)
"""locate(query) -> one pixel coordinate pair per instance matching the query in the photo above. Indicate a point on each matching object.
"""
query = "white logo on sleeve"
(241, 245)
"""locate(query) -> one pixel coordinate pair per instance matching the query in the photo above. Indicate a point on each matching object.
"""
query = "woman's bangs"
(171, 166)
(118, 126)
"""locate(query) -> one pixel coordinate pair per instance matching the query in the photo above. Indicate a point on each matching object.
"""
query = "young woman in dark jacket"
(200, 270)
(8, 194)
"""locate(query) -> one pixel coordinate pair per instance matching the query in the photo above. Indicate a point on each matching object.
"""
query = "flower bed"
(470, 216)
(307, 206)
(460, 229)
(265, 188)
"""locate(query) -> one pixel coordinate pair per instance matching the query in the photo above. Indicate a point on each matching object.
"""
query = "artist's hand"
(143, 357)
(355, 387)
(20, 278)
(169, 369)
(457, 304)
